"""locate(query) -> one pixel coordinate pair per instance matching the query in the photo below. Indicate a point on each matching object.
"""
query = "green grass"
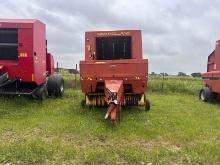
(179, 129)
(186, 85)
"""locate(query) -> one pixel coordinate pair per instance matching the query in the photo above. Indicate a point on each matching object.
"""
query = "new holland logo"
(113, 33)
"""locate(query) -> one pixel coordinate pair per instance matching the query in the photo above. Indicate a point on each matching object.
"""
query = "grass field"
(179, 129)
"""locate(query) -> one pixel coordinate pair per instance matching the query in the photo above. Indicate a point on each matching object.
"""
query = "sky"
(178, 35)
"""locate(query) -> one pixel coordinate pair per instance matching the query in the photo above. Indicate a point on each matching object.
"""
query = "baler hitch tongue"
(114, 95)
(114, 112)
(111, 111)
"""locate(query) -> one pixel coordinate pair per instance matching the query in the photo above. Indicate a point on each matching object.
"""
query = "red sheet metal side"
(23, 67)
(114, 97)
(212, 76)
(39, 52)
(217, 55)
(31, 63)
(212, 80)
(114, 86)
(90, 42)
(50, 64)
(133, 71)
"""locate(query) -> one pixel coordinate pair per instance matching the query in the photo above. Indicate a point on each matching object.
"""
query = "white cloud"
(177, 35)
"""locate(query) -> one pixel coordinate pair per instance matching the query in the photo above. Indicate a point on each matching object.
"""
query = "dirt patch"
(8, 137)
(90, 141)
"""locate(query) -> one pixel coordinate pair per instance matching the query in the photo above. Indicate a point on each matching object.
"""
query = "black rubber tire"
(147, 104)
(83, 103)
(55, 85)
(41, 93)
(205, 94)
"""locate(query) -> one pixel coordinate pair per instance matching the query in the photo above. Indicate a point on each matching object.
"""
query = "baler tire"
(205, 94)
(55, 85)
(41, 93)
(147, 105)
(83, 103)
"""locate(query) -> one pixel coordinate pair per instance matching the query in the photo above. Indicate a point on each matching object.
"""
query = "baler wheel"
(41, 93)
(205, 94)
(83, 103)
(55, 85)
(147, 104)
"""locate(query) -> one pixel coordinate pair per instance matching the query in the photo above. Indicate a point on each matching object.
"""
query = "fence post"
(57, 67)
(162, 82)
(75, 76)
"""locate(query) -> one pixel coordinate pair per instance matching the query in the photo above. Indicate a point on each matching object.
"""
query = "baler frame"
(124, 76)
(211, 78)
(26, 68)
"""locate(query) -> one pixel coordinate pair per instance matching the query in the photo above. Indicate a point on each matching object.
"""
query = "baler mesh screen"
(113, 48)
(8, 44)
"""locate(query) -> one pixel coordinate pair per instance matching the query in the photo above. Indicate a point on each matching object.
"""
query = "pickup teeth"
(130, 100)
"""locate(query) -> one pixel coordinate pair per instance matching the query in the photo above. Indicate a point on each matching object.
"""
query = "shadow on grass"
(215, 102)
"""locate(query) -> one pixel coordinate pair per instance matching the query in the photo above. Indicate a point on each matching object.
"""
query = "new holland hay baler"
(26, 68)
(114, 72)
(212, 77)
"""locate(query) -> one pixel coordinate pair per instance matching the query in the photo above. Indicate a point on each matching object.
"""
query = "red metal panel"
(212, 77)
(90, 41)
(39, 51)
(31, 64)
(217, 55)
(23, 67)
(114, 86)
(211, 66)
(114, 68)
(25, 59)
(132, 71)
(50, 64)
(212, 80)
(17, 23)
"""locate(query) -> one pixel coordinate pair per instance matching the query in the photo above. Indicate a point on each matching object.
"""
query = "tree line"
(181, 74)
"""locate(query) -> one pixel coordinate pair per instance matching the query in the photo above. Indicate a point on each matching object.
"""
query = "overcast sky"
(177, 35)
